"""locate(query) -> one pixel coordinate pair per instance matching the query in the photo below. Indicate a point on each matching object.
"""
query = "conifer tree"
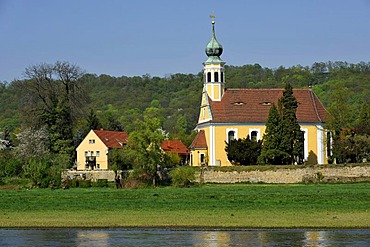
(292, 136)
(283, 139)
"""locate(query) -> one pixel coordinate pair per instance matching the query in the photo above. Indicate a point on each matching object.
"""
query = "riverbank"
(206, 207)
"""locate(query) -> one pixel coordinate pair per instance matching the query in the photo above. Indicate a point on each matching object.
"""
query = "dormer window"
(266, 103)
(238, 103)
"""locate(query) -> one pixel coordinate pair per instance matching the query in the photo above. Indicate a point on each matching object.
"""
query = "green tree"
(243, 151)
(271, 153)
(93, 122)
(144, 148)
(55, 98)
(363, 123)
(283, 139)
(292, 140)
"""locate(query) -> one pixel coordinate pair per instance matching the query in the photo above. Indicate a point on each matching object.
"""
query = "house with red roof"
(176, 146)
(227, 114)
(92, 153)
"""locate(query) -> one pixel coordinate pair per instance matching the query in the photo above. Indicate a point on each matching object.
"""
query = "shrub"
(84, 184)
(101, 183)
(183, 176)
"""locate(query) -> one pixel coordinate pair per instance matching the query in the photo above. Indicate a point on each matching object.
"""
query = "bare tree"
(54, 97)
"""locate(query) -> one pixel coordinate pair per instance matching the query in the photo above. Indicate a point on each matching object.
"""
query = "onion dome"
(214, 48)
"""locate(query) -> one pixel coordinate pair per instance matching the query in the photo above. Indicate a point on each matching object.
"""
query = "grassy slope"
(324, 205)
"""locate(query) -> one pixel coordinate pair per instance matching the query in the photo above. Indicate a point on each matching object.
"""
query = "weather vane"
(212, 16)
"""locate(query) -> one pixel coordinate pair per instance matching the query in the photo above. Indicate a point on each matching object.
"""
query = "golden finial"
(212, 16)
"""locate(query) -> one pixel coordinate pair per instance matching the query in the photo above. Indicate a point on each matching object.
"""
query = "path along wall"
(287, 176)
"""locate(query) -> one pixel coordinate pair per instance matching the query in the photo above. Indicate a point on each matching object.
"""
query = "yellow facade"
(94, 150)
(217, 135)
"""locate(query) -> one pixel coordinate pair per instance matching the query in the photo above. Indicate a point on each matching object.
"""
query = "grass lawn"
(242, 205)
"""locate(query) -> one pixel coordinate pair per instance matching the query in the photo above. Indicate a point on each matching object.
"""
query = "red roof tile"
(199, 141)
(174, 146)
(112, 139)
(253, 105)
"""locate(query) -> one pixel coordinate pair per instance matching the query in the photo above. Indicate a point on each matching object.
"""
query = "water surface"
(163, 237)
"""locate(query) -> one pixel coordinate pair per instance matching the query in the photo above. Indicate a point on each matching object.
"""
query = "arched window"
(209, 77)
(222, 76)
(230, 135)
(254, 135)
(216, 76)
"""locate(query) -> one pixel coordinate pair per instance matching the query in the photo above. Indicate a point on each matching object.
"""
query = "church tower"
(214, 78)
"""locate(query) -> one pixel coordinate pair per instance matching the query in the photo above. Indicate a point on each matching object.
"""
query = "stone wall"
(287, 176)
(89, 175)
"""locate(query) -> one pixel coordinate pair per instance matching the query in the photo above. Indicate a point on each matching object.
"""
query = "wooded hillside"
(344, 89)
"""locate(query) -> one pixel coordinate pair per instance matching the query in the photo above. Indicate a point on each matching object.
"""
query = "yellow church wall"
(315, 139)
(94, 147)
(315, 143)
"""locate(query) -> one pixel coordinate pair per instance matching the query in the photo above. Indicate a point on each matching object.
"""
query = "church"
(227, 114)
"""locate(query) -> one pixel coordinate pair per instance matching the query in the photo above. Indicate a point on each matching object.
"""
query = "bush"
(100, 183)
(84, 184)
(183, 176)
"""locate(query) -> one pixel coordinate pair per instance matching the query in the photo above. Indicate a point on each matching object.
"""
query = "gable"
(253, 105)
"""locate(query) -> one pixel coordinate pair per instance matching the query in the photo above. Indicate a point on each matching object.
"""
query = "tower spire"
(214, 48)
(214, 83)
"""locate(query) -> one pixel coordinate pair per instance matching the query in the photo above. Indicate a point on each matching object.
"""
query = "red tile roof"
(199, 141)
(174, 146)
(253, 105)
(112, 139)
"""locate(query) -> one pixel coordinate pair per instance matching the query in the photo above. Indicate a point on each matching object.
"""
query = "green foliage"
(45, 171)
(351, 148)
(93, 122)
(84, 184)
(171, 159)
(100, 183)
(183, 176)
(243, 151)
(283, 139)
(144, 147)
(292, 138)
(344, 89)
(118, 159)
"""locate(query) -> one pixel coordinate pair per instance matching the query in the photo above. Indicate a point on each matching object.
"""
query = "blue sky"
(122, 37)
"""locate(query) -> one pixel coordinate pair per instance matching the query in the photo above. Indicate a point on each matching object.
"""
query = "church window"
(254, 135)
(209, 77)
(222, 76)
(231, 135)
(216, 76)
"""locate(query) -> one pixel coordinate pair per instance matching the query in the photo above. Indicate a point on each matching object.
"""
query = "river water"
(164, 237)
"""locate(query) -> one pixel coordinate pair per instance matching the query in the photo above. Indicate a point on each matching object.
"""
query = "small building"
(92, 153)
(178, 147)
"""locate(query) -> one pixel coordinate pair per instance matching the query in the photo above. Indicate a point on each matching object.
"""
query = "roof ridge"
(314, 104)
